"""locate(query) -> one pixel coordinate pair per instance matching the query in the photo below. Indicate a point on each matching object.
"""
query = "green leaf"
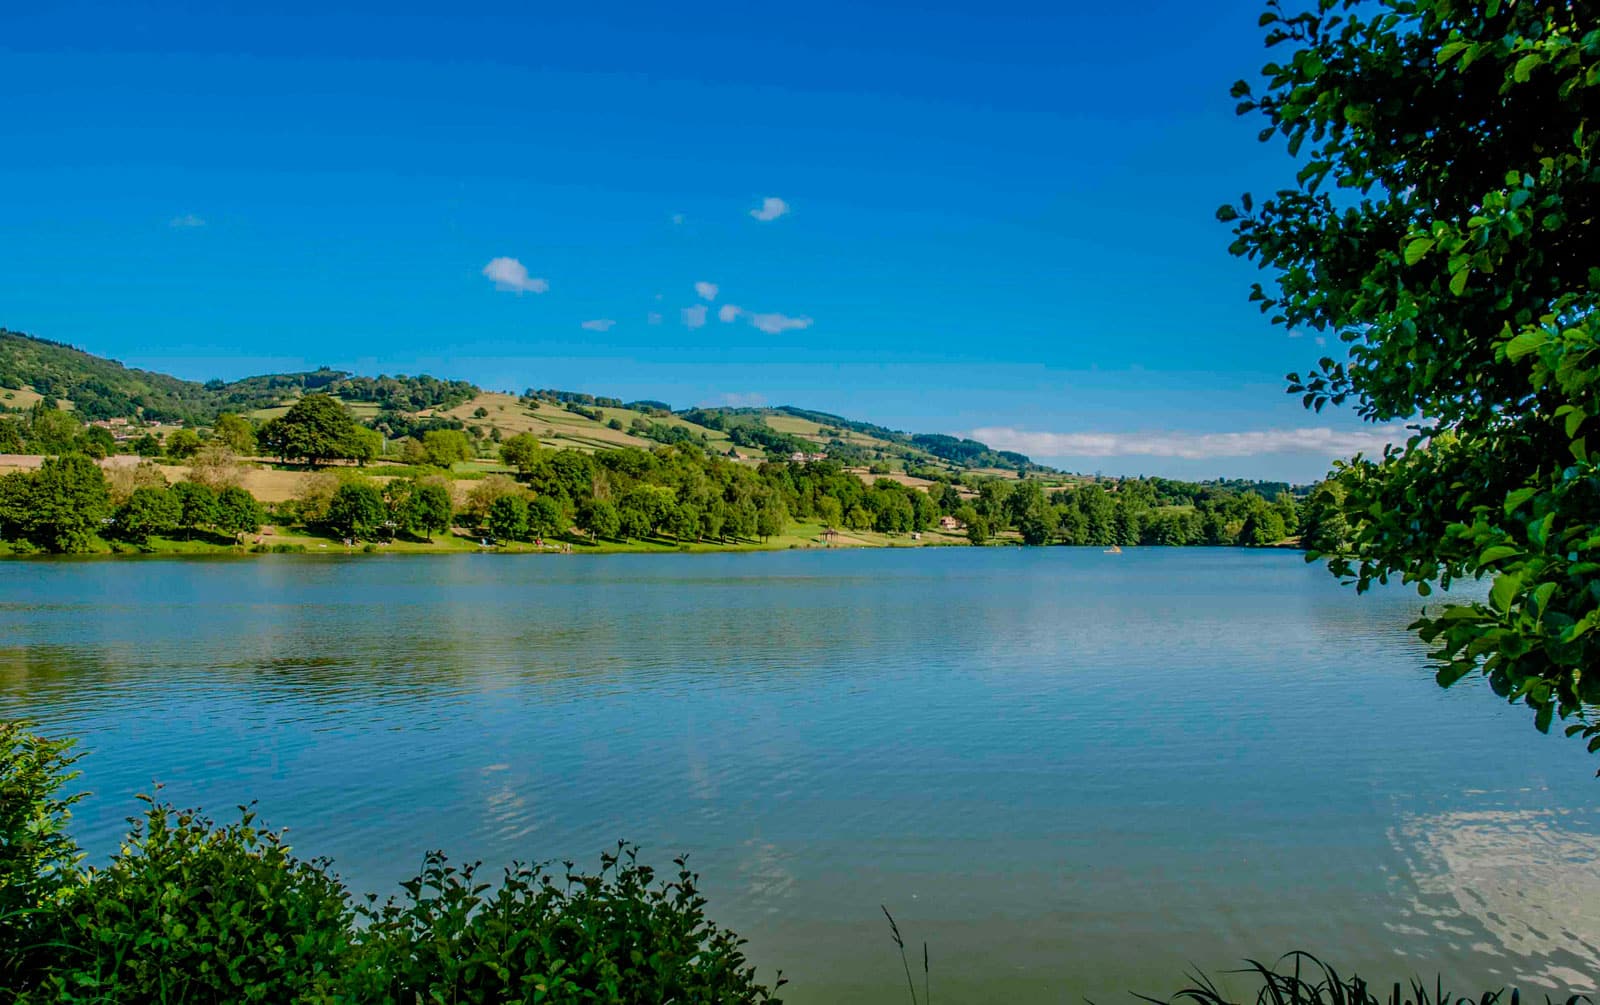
(1541, 718)
(1458, 282)
(1541, 596)
(1417, 248)
(1450, 50)
(1505, 590)
(1526, 342)
(1525, 66)
(1498, 552)
(1514, 500)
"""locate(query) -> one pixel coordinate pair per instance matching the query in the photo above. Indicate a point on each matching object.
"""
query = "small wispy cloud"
(770, 209)
(653, 318)
(1321, 441)
(186, 221)
(728, 312)
(510, 275)
(705, 290)
(677, 219)
(598, 325)
(742, 399)
(694, 317)
(777, 324)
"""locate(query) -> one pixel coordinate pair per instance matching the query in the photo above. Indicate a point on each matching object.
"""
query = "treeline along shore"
(319, 486)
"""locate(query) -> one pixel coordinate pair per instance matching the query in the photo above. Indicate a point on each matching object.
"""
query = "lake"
(1073, 774)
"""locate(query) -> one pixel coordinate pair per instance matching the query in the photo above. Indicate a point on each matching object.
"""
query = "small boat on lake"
(1113, 550)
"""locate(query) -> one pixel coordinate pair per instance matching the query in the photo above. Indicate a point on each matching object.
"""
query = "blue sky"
(963, 218)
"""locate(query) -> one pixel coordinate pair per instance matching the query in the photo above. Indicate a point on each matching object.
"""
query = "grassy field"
(20, 398)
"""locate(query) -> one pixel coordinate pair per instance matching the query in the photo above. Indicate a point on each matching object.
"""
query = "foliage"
(617, 935)
(37, 856)
(444, 447)
(1452, 261)
(191, 911)
(188, 911)
(236, 432)
(148, 511)
(237, 512)
(508, 518)
(183, 444)
(427, 508)
(357, 511)
(60, 507)
(318, 428)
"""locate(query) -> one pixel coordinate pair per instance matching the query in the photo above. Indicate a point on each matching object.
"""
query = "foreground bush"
(188, 911)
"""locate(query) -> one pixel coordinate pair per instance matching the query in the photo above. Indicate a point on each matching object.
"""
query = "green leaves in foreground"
(189, 911)
(1459, 142)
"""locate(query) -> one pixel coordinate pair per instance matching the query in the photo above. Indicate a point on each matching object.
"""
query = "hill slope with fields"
(34, 369)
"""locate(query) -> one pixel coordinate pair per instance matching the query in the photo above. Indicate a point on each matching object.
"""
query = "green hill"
(99, 388)
(401, 406)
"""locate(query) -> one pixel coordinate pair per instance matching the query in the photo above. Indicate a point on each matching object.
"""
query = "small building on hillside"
(948, 522)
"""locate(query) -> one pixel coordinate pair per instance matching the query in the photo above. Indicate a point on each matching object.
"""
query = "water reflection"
(1522, 887)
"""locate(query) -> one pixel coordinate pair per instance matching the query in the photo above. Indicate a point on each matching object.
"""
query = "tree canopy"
(1443, 226)
(317, 428)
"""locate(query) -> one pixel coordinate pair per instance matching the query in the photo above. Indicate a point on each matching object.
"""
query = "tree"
(548, 516)
(148, 511)
(1456, 272)
(11, 438)
(51, 430)
(356, 510)
(598, 518)
(772, 518)
(445, 447)
(978, 529)
(148, 445)
(67, 503)
(508, 518)
(236, 432)
(237, 512)
(197, 505)
(523, 452)
(97, 442)
(183, 443)
(318, 428)
(829, 511)
(429, 508)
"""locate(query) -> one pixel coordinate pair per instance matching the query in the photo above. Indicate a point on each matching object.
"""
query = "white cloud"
(654, 318)
(512, 276)
(1320, 340)
(598, 325)
(742, 399)
(770, 209)
(728, 312)
(677, 219)
(777, 324)
(694, 317)
(186, 220)
(705, 290)
(1322, 442)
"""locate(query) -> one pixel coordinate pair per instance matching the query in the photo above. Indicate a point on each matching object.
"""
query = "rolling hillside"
(34, 369)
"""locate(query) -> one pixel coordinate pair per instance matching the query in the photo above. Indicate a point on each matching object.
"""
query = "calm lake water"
(1072, 774)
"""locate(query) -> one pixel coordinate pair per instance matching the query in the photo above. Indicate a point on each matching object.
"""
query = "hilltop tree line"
(105, 389)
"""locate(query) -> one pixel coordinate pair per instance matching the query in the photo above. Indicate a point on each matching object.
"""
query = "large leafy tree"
(1444, 225)
(318, 428)
(65, 504)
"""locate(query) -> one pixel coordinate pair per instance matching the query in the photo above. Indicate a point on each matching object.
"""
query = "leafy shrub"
(37, 856)
(612, 936)
(191, 912)
(188, 911)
